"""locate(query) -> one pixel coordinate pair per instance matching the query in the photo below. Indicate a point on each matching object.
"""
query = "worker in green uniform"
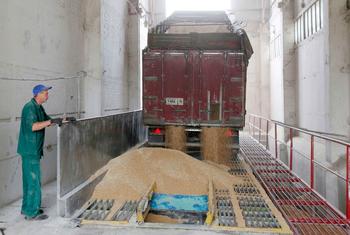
(30, 146)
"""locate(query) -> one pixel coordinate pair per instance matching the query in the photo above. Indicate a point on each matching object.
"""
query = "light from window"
(309, 22)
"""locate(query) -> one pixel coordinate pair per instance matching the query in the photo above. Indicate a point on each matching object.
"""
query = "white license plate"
(174, 101)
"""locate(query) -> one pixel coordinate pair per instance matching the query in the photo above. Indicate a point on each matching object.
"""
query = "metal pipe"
(285, 195)
(304, 131)
(323, 215)
(347, 182)
(253, 127)
(267, 134)
(291, 149)
(312, 163)
(308, 158)
(276, 154)
(259, 130)
(324, 212)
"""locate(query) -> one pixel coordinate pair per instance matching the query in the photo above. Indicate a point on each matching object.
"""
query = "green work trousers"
(31, 178)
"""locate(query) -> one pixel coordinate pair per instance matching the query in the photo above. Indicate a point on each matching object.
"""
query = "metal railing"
(274, 135)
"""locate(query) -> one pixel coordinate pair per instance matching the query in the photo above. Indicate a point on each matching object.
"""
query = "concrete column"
(339, 62)
(92, 84)
(276, 63)
(157, 8)
(289, 63)
(264, 70)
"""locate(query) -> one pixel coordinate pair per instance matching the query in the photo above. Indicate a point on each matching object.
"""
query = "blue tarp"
(178, 202)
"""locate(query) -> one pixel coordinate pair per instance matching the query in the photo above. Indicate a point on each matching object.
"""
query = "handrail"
(314, 133)
(275, 124)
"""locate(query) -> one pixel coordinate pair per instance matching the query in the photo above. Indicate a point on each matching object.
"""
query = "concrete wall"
(276, 63)
(324, 81)
(339, 63)
(253, 17)
(253, 100)
(40, 43)
(91, 85)
(312, 75)
(323, 87)
(82, 48)
(289, 64)
(114, 40)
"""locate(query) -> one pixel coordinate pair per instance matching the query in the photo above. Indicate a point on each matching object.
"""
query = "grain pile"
(130, 175)
(175, 138)
(215, 145)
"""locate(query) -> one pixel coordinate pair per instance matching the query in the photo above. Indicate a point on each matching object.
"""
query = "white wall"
(253, 17)
(85, 49)
(114, 39)
(253, 98)
(91, 85)
(323, 87)
(339, 62)
(323, 72)
(40, 43)
(276, 64)
(312, 74)
(289, 64)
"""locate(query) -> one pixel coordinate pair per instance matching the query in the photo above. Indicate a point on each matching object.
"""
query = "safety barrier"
(292, 146)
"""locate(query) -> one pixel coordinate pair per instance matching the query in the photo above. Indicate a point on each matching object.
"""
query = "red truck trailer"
(194, 72)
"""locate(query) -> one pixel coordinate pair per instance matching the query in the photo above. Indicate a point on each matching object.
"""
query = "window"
(309, 22)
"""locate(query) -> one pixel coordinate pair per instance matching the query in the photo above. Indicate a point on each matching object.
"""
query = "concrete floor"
(14, 223)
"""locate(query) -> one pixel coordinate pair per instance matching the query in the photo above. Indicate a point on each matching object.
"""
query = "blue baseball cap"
(39, 88)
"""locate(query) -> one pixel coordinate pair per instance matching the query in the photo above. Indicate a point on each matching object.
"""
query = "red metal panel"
(210, 83)
(234, 89)
(152, 87)
(176, 87)
(194, 59)
(194, 87)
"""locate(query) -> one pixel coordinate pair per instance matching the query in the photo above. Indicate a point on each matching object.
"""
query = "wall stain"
(26, 39)
(58, 44)
(42, 44)
(345, 69)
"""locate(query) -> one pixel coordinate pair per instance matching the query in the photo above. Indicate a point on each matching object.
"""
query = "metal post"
(291, 149)
(249, 124)
(267, 134)
(259, 129)
(312, 163)
(254, 127)
(347, 182)
(276, 141)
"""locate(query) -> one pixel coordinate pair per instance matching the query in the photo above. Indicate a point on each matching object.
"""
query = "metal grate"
(126, 211)
(224, 208)
(247, 189)
(257, 213)
(97, 210)
(307, 212)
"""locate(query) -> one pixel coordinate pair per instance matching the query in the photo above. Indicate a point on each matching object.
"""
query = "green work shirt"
(30, 142)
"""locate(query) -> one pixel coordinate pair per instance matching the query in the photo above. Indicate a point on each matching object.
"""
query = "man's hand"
(57, 121)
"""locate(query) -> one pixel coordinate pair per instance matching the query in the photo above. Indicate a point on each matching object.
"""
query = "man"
(30, 146)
